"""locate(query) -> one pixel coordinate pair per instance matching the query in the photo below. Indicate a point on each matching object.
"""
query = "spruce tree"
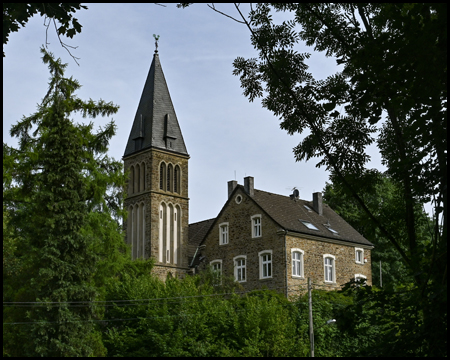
(60, 175)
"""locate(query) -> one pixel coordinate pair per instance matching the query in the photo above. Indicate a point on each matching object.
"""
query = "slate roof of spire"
(159, 127)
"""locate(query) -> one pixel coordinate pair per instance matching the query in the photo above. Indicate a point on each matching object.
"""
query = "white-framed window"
(360, 277)
(240, 268)
(265, 264)
(359, 256)
(256, 226)
(297, 262)
(329, 267)
(223, 234)
(216, 267)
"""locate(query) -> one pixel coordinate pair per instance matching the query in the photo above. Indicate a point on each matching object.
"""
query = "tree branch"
(316, 132)
(214, 8)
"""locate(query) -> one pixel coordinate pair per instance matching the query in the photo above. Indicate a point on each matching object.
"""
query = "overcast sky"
(224, 133)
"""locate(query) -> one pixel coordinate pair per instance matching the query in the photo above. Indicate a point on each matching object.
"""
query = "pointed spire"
(155, 123)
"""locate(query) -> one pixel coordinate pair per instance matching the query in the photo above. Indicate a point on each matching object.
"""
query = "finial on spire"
(156, 42)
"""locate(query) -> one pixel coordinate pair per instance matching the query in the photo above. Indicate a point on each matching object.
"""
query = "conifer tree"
(60, 174)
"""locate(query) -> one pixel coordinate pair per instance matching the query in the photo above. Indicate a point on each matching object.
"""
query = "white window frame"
(219, 271)
(309, 225)
(255, 233)
(265, 263)
(221, 233)
(360, 276)
(301, 260)
(333, 268)
(216, 262)
(362, 255)
(236, 267)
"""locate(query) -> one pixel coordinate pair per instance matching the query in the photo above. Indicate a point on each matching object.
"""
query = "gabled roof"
(289, 214)
(197, 232)
(155, 123)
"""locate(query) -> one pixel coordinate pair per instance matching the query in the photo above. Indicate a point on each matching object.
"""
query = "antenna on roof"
(295, 194)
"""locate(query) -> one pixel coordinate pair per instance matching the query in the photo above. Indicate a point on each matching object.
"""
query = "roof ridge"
(198, 222)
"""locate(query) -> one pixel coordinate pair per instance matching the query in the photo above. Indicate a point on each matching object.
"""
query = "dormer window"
(308, 225)
(332, 230)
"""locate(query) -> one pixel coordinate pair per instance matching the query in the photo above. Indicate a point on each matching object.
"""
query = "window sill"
(298, 277)
(266, 278)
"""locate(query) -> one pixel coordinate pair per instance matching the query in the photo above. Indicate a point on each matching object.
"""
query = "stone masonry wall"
(152, 197)
(345, 263)
(241, 242)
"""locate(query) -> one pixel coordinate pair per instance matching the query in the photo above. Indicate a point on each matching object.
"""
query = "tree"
(18, 14)
(383, 196)
(392, 91)
(55, 180)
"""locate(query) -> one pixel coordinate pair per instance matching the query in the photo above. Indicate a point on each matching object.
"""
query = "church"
(263, 240)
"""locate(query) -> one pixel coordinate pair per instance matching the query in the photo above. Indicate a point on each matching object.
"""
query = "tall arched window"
(169, 234)
(169, 177)
(162, 231)
(130, 225)
(137, 177)
(131, 182)
(176, 180)
(142, 179)
(162, 176)
(134, 236)
(176, 234)
(141, 231)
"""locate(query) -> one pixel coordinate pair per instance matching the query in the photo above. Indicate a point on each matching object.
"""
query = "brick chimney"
(231, 186)
(249, 185)
(317, 202)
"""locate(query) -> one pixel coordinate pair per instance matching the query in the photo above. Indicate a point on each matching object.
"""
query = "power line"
(123, 302)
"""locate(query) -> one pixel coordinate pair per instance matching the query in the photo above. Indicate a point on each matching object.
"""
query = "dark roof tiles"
(159, 127)
(288, 213)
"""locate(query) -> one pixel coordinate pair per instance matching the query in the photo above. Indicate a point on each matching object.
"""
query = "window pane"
(359, 256)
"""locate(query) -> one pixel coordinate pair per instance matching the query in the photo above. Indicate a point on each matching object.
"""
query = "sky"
(226, 136)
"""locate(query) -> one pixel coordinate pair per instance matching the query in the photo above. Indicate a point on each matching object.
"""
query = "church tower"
(157, 162)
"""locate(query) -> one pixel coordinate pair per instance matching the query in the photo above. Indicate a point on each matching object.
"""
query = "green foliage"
(403, 320)
(55, 181)
(190, 318)
(390, 90)
(331, 339)
(384, 197)
(18, 14)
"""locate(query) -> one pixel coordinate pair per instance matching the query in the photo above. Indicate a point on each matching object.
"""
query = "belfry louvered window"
(169, 177)
(162, 176)
(176, 179)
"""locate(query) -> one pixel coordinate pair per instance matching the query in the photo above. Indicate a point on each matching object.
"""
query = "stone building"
(259, 238)
(274, 241)
(156, 159)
